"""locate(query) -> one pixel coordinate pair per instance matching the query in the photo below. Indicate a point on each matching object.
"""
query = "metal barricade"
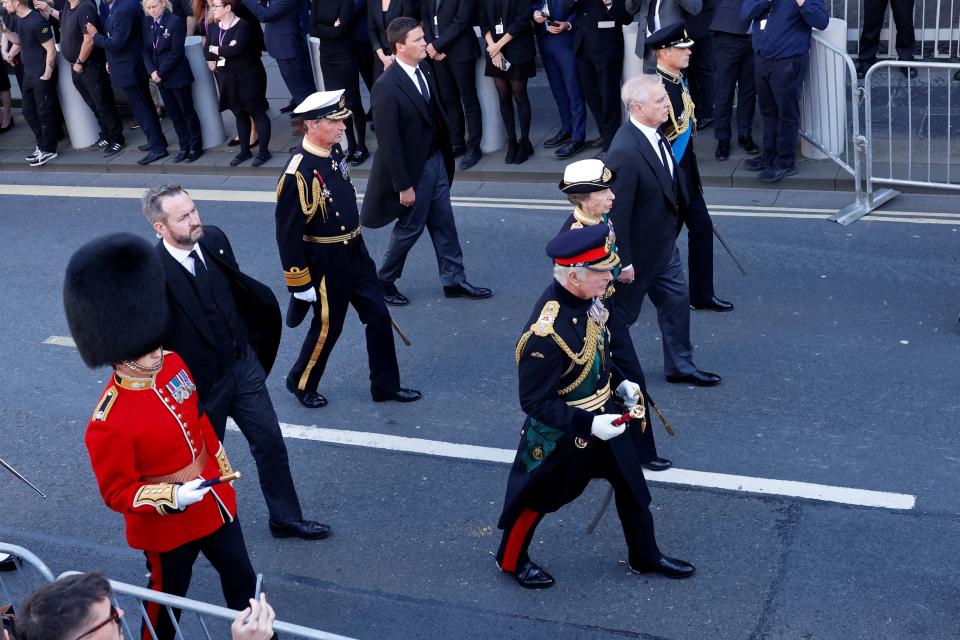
(936, 25)
(199, 619)
(20, 573)
(910, 133)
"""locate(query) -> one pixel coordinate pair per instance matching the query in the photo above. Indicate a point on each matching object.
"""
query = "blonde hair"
(167, 5)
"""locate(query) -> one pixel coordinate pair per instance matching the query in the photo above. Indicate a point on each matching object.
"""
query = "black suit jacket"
(647, 204)
(336, 42)
(377, 22)
(726, 18)
(163, 50)
(453, 34)
(405, 126)
(600, 44)
(517, 20)
(189, 333)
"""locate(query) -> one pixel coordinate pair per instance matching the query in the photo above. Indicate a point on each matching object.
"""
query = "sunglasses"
(114, 617)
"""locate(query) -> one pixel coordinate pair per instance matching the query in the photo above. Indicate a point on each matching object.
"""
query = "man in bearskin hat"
(152, 450)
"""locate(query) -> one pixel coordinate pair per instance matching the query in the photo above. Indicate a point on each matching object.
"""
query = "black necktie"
(663, 155)
(200, 272)
(423, 85)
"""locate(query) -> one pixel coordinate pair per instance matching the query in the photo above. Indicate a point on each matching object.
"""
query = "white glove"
(310, 295)
(630, 392)
(190, 492)
(604, 428)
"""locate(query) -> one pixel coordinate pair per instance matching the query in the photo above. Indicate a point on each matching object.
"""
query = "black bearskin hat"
(114, 295)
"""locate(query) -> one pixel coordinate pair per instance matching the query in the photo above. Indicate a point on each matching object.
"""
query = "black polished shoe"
(723, 150)
(180, 157)
(755, 164)
(569, 150)
(261, 159)
(703, 123)
(596, 143)
(532, 576)
(309, 399)
(306, 529)
(466, 290)
(669, 567)
(153, 156)
(557, 139)
(470, 158)
(234, 143)
(698, 378)
(359, 156)
(240, 157)
(524, 152)
(392, 296)
(193, 156)
(290, 107)
(400, 395)
(715, 304)
(747, 144)
(656, 464)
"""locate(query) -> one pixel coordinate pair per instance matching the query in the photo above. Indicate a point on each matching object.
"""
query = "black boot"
(524, 152)
(512, 148)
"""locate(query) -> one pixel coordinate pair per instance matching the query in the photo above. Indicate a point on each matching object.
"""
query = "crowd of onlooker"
(135, 49)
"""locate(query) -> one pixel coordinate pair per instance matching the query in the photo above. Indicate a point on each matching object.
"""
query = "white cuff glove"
(190, 493)
(603, 426)
(310, 295)
(630, 392)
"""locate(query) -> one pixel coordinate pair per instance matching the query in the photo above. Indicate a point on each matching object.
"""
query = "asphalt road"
(838, 368)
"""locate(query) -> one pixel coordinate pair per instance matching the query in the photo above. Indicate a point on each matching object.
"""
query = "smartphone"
(256, 591)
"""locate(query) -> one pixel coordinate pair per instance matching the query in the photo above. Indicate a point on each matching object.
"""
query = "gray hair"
(153, 201)
(562, 272)
(636, 90)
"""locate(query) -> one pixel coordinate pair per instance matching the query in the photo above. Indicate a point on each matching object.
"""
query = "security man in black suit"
(325, 261)
(651, 193)
(570, 436)
(286, 43)
(123, 43)
(453, 48)
(226, 327)
(672, 48)
(413, 168)
(733, 69)
(598, 45)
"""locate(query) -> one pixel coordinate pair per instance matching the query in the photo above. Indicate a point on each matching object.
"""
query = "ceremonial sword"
(6, 466)
(730, 252)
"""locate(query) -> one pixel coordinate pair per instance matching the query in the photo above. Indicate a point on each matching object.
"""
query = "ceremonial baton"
(215, 481)
(730, 252)
(400, 332)
(18, 474)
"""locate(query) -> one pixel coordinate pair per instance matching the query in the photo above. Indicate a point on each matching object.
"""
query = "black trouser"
(41, 111)
(699, 246)
(186, 123)
(457, 83)
(297, 75)
(733, 69)
(779, 85)
(873, 12)
(364, 54)
(600, 83)
(635, 517)
(141, 103)
(93, 85)
(170, 572)
(349, 278)
(700, 76)
(345, 74)
(264, 130)
(241, 394)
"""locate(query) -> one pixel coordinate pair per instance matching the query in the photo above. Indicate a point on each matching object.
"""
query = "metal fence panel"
(21, 573)
(936, 24)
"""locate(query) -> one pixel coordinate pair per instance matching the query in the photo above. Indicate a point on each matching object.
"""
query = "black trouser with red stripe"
(635, 517)
(170, 572)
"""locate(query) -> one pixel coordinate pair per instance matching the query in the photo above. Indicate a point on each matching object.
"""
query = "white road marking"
(746, 484)
(60, 341)
(540, 204)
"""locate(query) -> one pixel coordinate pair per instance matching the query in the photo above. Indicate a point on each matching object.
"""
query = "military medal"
(181, 386)
(325, 195)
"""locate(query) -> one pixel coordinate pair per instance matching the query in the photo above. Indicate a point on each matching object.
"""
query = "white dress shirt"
(183, 256)
(412, 72)
(655, 137)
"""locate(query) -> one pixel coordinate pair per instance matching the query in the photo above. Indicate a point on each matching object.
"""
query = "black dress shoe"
(703, 123)
(755, 164)
(669, 567)
(466, 290)
(556, 140)
(512, 148)
(470, 158)
(524, 151)
(309, 399)
(776, 174)
(306, 529)
(290, 107)
(723, 150)
(240, 157)
(193, 156)
(234, 143)
(143, 147)
(400, 395)
(180, 157)
(596, 143)
(153, 156)
(459, 150)
(261, 159)
(392, 296)
(714, 304)
(532, 576)
(359, 156)
(656, 464)
(747, 144)
(697, 378)
(569, 150)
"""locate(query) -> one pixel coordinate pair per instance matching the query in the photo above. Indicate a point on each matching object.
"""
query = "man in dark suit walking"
(123, 44)
(413, 168)
(226, 327)
(650, 196)
(453, 47)
(286, 43)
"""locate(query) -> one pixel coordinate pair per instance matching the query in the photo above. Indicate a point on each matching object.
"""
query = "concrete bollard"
(824, 108)
(82, 125)
(632, 64)
(205, 99)
(314, 46)
(494, 134)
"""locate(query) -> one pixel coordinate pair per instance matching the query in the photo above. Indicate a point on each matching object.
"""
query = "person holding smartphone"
(553, 24)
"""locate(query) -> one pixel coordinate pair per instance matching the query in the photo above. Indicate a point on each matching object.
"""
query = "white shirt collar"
(412, 72)
(183, 255)
(654, 138)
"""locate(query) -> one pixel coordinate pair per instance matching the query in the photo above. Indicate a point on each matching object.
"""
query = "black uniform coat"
(602, 45)
(453, 34)
(189, 333)
(559, 477)
(691, 172)
(163, 50)
(405, 126)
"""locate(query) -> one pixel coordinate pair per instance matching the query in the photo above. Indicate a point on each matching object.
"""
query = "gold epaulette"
(297, 277)
(542, 327)
(289, 171)
(162, 497)
(105, 404)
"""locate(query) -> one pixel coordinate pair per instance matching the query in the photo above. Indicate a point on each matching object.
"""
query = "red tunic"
(144, 438)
